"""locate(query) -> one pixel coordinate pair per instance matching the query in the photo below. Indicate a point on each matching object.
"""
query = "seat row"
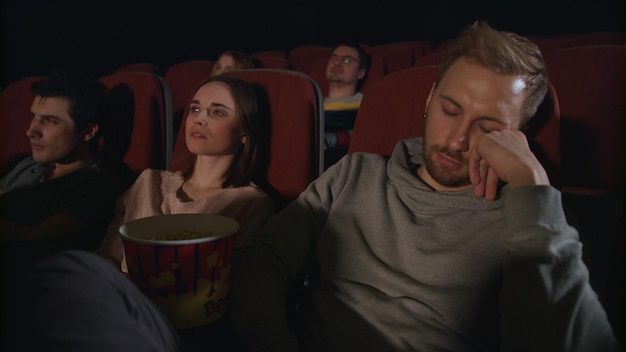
(401, 54)
(312, 59)
(391, 57)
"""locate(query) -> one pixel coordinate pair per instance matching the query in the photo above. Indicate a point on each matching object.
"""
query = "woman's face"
(213, 126)
(224, 63)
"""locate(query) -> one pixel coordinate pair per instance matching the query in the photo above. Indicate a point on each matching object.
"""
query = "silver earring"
(425, 115)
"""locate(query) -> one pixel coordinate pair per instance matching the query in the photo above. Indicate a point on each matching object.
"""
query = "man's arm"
(82, 205)
(57, 225)
(268, 268)
(547, 303)
(265, 270)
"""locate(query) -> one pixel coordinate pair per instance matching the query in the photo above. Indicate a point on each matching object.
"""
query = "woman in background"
(231, 60)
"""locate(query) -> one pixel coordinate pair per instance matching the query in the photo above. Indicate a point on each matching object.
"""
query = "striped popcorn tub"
(182, 262)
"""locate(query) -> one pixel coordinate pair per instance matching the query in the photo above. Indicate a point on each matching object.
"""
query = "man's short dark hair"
(87, 97)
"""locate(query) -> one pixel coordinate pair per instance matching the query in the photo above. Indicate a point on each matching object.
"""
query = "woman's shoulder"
(159, 174)
(249, 191)
(153, 177)
(250, 205)
(248, 196)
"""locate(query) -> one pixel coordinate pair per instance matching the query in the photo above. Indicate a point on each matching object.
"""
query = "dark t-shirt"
(88, 194)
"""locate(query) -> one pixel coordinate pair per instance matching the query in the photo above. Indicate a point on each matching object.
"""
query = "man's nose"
(34, 128)
(459, 139)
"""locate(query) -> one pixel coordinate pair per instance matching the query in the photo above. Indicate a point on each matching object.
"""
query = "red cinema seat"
(139, 67)
(303, 57)
(183, 78)
(433, 58)
(15, 103)
(419, 47)
(272, 53)
(396, 56)
(271, 62)
(392, 109)
(139, 133)
(591, 85)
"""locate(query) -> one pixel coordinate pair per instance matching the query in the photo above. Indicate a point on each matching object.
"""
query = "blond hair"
(504, 53)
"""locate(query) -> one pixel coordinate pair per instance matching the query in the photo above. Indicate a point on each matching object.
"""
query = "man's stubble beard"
(438, 173)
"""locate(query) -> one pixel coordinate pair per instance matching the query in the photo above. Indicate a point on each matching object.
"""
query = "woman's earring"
(425, 115)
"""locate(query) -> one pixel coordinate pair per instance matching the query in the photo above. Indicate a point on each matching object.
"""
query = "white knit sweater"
(155, 193)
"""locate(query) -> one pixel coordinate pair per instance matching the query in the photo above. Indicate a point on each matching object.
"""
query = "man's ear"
(90, 131)
(243, 139)
(361, 73)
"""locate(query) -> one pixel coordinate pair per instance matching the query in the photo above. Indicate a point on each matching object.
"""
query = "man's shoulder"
(92, 170)
(405, 148)
(23, 165)
(92, 176)
(27, 171)
(363, 161)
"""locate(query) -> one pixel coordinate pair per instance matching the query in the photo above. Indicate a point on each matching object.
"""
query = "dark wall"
(97, 36)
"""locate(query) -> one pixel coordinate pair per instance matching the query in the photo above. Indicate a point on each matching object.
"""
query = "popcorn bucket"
(182, 262)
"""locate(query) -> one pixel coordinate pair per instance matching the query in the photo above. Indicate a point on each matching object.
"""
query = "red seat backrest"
(443, 46)
(433, 58)
(296, 106)
(303, 57)
(602, 38)
(183, 78)
(15, 103)
(139, 132)
(392, 109)
(397, 56)
(544, 136)
(272, 53)
(551, 43)
(420, 47)
(591, 85)
(139, 67)
(272, 62)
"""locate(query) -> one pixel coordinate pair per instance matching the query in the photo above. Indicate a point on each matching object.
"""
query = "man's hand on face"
(503, 155)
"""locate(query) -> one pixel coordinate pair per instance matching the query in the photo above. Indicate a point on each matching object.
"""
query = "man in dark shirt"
(59, 198)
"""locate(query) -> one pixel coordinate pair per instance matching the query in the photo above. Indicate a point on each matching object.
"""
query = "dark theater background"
(97, 36)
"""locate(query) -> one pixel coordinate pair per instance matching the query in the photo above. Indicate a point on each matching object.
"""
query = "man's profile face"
(468, 102)
(52, 132)
(343, 66)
